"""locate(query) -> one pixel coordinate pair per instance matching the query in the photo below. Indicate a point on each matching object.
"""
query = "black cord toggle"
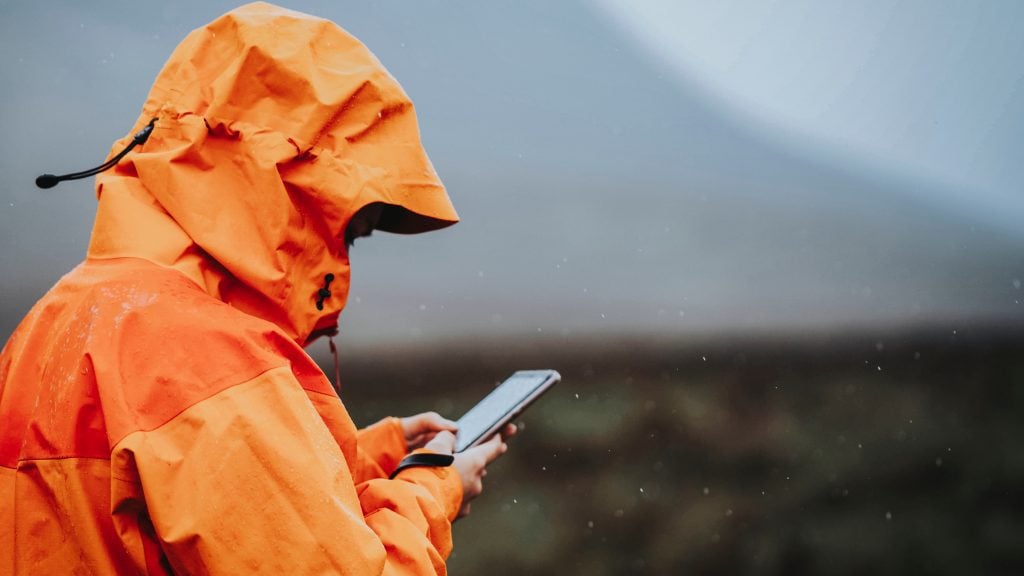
(324, 292)
(50, 180)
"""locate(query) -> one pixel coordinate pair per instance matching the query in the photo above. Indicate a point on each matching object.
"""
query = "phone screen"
(506, 399)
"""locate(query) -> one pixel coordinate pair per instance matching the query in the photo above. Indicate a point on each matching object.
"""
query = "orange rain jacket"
(157, 411)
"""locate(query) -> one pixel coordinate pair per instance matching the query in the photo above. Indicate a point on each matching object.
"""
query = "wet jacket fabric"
(158, 413)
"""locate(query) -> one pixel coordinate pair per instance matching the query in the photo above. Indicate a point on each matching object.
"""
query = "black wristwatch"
(423, 459)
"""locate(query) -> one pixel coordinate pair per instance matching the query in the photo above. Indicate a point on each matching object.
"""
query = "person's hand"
(421, 428)
(472, 463)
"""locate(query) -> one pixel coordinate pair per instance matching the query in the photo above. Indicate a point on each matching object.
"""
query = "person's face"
(363, 223)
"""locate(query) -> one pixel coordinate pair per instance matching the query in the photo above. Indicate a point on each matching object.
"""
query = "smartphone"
(503, 404)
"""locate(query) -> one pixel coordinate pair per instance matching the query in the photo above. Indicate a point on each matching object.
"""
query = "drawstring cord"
(51, 180)
(337, 367)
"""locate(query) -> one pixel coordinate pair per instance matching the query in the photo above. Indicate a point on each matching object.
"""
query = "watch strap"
(423, 459)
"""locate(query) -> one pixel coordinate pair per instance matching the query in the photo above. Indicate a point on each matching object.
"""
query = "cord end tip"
(47, 181)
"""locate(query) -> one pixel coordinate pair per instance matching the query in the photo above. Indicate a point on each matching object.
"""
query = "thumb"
(434, 421)
(443, 443)
(425, 423)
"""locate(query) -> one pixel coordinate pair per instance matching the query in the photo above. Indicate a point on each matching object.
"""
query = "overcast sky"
(653, 167)
(926, 88)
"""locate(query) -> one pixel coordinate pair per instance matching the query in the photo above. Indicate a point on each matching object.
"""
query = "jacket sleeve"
(382, 443)
(251, 480)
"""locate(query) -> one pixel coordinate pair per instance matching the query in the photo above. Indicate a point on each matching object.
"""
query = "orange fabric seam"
(63, 457)
(322, 393)
(199, 401)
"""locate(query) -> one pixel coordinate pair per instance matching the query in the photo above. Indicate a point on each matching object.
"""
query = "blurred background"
(775, 249)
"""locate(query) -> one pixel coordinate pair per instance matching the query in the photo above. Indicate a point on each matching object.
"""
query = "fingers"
(509, 430)
(434, 421)
(442, 443)
(421, 428)
(489, 450)
(426, 422)
(472, 465)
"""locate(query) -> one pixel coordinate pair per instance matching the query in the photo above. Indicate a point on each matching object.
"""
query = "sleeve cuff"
(443, 482)
(384, 443)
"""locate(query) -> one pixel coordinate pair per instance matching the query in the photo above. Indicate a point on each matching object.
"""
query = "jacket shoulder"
(160, 344)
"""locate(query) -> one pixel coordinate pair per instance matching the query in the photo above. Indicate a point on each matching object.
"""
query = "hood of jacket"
(273, 128)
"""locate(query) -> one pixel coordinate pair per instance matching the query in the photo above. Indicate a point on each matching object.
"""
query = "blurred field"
(894, 455)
